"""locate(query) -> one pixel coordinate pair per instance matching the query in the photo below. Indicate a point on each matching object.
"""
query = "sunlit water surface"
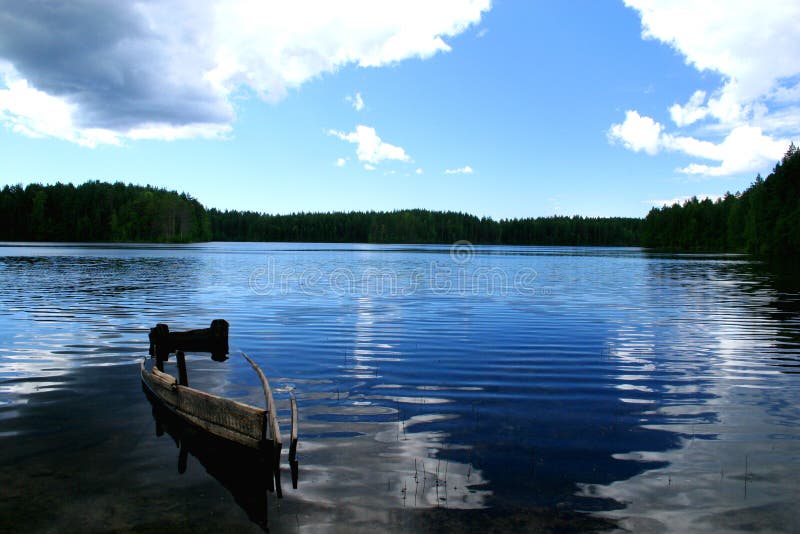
(439, 387)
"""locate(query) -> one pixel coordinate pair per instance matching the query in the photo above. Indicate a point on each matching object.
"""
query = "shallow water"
(438, 387)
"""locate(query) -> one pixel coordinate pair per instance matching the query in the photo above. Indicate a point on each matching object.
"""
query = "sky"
(505, 108)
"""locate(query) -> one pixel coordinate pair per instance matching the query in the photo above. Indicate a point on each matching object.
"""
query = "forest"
(422, 226)
(97, 211)
(764, 220)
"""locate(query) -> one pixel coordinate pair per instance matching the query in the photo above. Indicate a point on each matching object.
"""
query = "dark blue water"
(438, 387)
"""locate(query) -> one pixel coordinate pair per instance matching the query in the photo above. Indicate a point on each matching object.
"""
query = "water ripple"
(424, 383)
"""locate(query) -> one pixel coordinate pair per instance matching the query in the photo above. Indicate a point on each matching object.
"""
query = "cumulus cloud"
(691, 112)
(356, 101)
(637, 133)
(35, 113)
(466, 169)
(419, 170)
(115, 66)
(756, 108)
(369, 167)
(371, 148)
(755, 49)
(340, 162)
(745, 149)
(170, 69)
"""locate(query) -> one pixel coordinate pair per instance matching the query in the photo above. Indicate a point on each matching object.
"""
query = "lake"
(439, 387)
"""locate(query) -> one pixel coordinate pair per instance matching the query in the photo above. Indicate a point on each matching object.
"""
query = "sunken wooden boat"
(249, 426)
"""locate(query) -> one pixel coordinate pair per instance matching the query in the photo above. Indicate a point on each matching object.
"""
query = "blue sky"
(504, 109)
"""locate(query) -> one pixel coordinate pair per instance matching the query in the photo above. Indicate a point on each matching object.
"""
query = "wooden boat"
(250, 426)
(243, 471)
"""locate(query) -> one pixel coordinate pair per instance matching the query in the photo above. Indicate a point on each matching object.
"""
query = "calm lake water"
(439, 388)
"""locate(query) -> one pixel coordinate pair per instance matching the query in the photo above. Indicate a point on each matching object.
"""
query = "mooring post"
(183, 377)
(159, 347)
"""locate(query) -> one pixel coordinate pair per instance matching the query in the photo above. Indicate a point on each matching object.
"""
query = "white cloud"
(419, 170)
(34, 113)
(466, 169)
(787, 94)
(745, 149)
(691, 112)
(170, 69)
(369, 167)
(756, 108)
(371, 148)
(340, 162)
(356, 101)
(752, 47)
(637, 133)
(784, 122)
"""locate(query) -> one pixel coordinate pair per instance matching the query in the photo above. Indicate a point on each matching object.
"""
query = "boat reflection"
(243, 471)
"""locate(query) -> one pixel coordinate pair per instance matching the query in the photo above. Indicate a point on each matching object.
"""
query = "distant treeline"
(97, 211)
(763, 220)
(422, 226)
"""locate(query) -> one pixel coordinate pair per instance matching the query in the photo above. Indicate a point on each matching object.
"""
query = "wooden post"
(183, 377)
(293, 438)
(158, 348)
(293, 465)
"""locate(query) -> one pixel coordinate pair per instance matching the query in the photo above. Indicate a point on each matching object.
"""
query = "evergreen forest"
(763, 220)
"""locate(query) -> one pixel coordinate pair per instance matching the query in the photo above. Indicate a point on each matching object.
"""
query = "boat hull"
(225, 418)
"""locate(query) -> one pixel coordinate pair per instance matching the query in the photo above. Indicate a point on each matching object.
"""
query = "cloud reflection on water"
(730, 471)
(634, 368)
